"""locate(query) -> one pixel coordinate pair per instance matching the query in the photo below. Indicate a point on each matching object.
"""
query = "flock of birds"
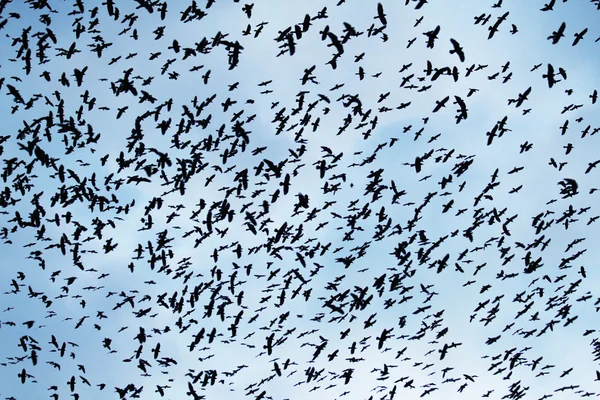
(174, 225)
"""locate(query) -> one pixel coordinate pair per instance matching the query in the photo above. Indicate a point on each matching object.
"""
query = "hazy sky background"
(516, 333)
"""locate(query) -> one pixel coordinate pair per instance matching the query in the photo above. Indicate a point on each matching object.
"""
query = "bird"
(458, 50)
(579, 36)
(380, 14)
(559, 33)
(432, 36)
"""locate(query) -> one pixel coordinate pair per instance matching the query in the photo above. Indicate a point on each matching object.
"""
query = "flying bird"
(556, 35)
(458, 50)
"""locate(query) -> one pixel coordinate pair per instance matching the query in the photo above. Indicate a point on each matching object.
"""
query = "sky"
(338, 210)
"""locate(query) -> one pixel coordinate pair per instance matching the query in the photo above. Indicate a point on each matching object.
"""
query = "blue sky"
(514, 333)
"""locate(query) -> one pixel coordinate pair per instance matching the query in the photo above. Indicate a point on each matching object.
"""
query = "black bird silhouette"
(556, 35)
(494, 28)
(440, 104)
(579, 36)
(458, 50)
(381, 14)
(432, 36)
